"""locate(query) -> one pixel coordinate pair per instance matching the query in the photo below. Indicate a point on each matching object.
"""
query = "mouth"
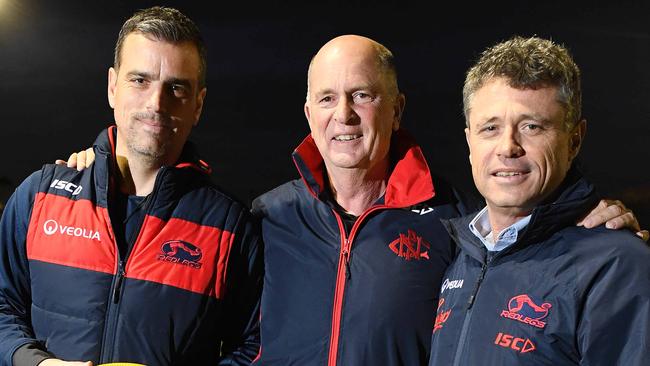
(509, 173)
(349, 137)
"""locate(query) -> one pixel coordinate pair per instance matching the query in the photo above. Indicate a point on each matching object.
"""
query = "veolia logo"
(51, 227)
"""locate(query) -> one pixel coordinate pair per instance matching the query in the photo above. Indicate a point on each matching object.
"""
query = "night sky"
(55, 57)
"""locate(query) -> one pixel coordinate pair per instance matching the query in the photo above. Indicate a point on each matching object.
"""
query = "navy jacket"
(363, 298)
(187, 293)
(561, 295)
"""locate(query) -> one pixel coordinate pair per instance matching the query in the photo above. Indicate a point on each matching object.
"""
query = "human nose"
(510, 144)
(156, 100)
(344, 112)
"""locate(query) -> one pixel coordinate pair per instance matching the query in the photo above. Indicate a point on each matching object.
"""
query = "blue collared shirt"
(480, 226)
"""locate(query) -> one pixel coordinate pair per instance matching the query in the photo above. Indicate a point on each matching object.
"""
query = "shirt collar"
(480, 227)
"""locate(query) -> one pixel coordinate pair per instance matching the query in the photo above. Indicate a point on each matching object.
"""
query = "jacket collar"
(573, 199)
(106, 142)
(409, 182)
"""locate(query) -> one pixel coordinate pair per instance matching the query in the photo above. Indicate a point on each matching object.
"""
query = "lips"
(509, 172)
(347, 137)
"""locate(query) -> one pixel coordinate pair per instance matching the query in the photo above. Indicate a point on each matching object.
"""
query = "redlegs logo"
(181, 252)
(523, 309)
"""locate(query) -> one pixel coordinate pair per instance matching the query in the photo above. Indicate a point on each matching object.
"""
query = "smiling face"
(520, 149)
(353, 105)
(156, 98)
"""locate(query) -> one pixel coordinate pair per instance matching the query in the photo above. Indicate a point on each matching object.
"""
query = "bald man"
(354, 250)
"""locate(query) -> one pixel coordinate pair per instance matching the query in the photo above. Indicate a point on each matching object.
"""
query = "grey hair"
(528, 63)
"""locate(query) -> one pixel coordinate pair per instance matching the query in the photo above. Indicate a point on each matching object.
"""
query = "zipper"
(108, 341)
(342, 275)
(468, 315)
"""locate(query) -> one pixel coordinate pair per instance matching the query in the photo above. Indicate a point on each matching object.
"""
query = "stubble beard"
(149, 148)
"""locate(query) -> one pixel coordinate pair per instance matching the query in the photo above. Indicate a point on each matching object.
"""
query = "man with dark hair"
(530, 287)
(139, 258)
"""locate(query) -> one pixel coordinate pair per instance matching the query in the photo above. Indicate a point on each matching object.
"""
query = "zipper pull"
(347, 266)
(346, 258)
(118, 283)
(476, 287)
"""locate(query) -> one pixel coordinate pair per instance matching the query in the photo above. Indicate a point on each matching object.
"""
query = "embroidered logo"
(180, 252)
(450, 285)
(442, 316)
(410, 246)
(51, 227)
(518, 344)
(422, 211)
(66, 186)
(523, 309)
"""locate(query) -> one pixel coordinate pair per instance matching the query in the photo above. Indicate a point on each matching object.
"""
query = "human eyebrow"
(535, 117)
(138, 74)
(483, 122)
(178, 81)
(321, 93)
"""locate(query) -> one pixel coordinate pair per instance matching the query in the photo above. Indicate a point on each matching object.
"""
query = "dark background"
(54, 58)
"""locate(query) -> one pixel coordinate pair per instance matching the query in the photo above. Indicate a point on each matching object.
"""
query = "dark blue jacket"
(367, 297)
(561, 295)
(187, 291)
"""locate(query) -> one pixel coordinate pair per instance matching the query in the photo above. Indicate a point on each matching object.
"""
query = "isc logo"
(66, 186)
(512, 342)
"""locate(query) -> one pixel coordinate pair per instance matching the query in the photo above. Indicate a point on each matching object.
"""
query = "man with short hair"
(354, 251)
(530, 287)
(139, 258)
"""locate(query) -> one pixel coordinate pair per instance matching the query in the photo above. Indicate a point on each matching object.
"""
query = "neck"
(136, 175)
(501, 218)
(355, 190)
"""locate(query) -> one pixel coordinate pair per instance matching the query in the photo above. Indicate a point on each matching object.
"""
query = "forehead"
(497, 99)
(345, 70)
(143, 53)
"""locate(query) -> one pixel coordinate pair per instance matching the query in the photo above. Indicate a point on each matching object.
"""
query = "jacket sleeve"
(241, 342)
(15, 295)
(615, 324)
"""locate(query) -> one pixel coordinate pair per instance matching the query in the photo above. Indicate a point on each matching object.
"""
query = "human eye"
(326, 100)
(362, 97)
(138, 81)
(532, 128)
(488, 129)
(179, 90)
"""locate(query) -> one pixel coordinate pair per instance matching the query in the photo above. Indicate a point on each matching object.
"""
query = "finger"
(644, 235)
(625, 220)
(587, 219)
(60, 162)
(81, 160)
(72, 160)
(602, 215)
(90, 156)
